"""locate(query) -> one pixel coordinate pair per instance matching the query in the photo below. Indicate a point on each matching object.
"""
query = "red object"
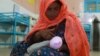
(75, 35)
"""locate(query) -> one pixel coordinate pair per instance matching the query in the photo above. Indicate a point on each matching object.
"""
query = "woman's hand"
(45, 34)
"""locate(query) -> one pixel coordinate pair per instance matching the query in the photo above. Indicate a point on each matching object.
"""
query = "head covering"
(74, 35)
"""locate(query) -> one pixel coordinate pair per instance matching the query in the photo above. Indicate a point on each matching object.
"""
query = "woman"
(55, 20)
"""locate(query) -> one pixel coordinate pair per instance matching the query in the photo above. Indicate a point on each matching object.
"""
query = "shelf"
(9, 33)
(11, 21)
(6, 33)
(10, 18)
(6, 44)
(20, 33)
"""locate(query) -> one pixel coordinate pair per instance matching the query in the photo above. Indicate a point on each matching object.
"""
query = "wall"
(74, 5)
(6, 6)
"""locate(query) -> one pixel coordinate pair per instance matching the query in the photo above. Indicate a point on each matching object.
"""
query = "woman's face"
(53, 10)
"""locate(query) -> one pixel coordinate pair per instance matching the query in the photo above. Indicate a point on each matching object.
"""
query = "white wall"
(6, 5)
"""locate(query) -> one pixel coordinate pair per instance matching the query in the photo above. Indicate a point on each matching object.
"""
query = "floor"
(6, 52)
(95, 53)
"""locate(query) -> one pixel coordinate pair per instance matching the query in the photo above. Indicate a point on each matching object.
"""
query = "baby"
(55, 43)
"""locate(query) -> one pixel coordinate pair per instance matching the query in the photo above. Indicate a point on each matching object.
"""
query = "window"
(92, 5)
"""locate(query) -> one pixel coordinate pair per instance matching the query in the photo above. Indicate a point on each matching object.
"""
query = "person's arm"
(41, 35)
(34, 38)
